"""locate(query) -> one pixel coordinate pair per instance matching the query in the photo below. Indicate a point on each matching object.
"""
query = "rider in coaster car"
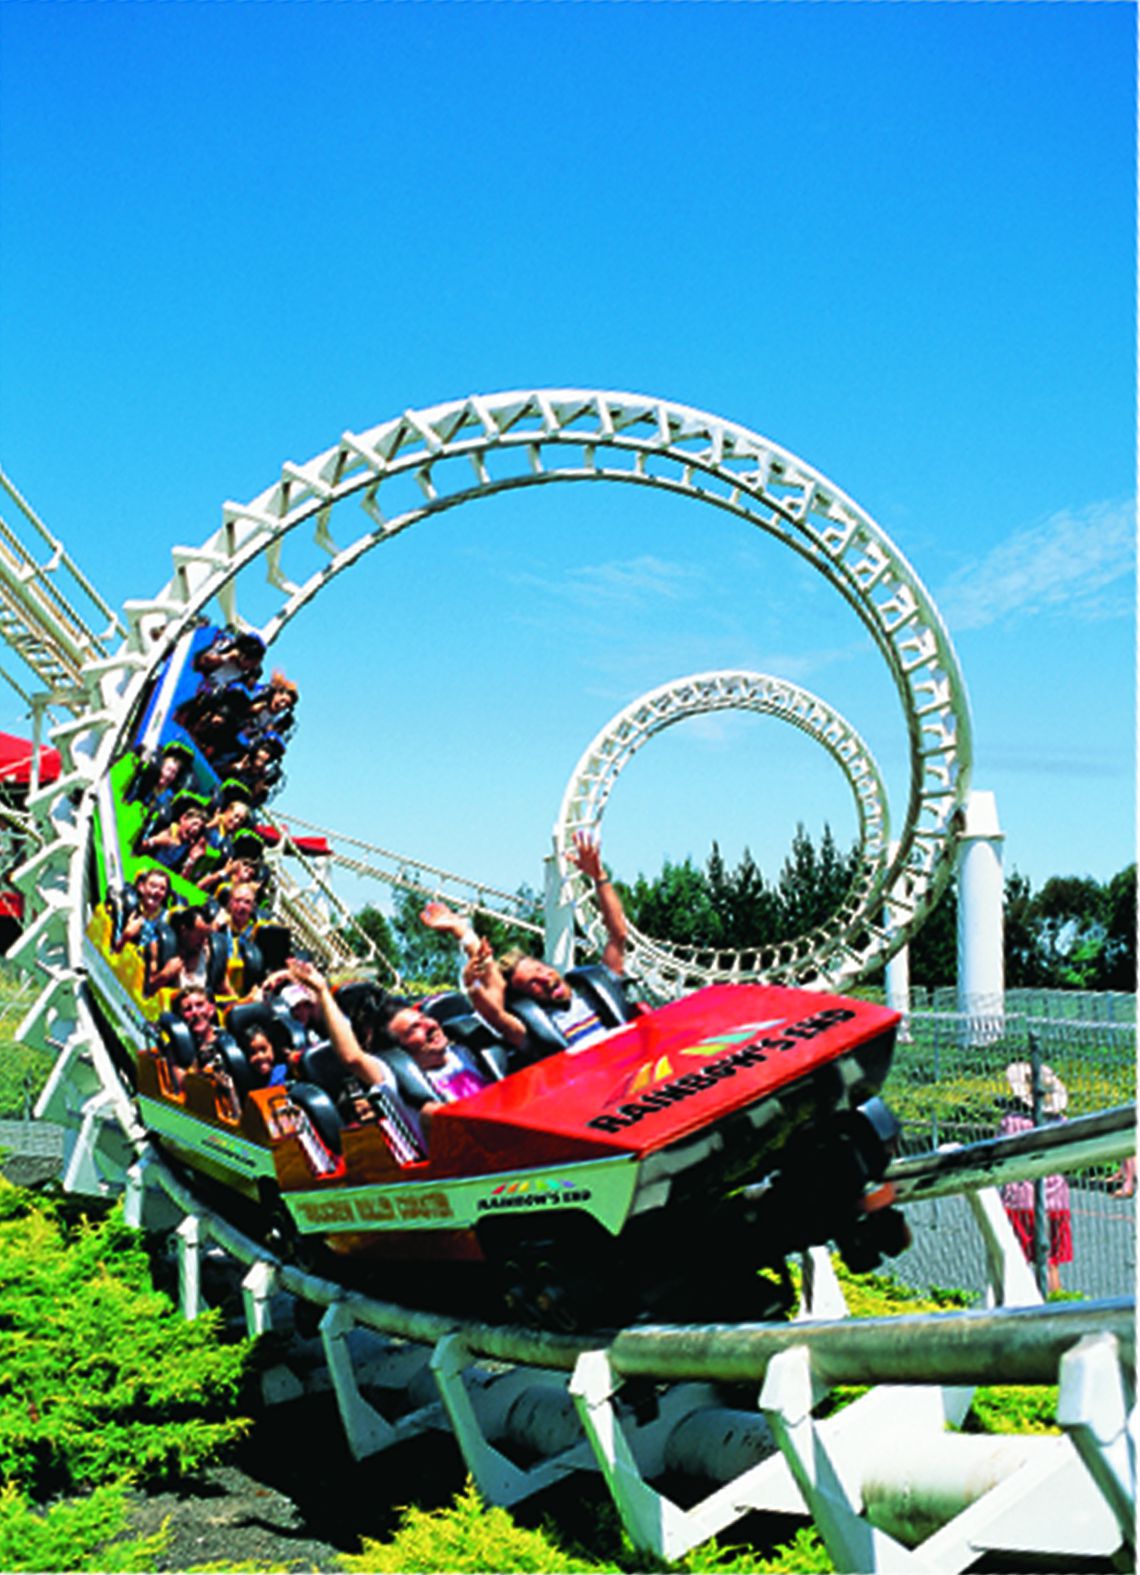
(432, 1071)
(214, 718)
(231, 812)
(232, 658)
(260, 767)
(266, 1041)
(236, 927)
(156, 784)
(301, 1003)
(531, 1005)
(194, 1008)
(140, 910)
(373, 1088)
(184, 951)
(180, 845)
(244, 866)
(438, 1073)
(272, 710)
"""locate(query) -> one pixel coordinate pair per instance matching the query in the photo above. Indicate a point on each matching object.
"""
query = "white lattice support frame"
(841, 947)
(425, 461)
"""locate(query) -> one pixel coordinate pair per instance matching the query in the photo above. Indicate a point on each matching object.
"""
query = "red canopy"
(16, 761)
(315, 847)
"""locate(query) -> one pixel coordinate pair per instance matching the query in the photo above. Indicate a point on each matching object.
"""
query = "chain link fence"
(948, 1084)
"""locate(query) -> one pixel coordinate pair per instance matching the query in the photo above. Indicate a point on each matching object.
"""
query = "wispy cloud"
(624, 582)
(1060, 761)
(1078, 561)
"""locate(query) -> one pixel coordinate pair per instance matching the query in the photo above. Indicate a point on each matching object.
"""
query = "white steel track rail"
(833, 952)
(456, 453)
(408, 874)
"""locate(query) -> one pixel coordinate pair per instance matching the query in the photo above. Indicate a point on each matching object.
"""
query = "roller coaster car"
(654, 1172)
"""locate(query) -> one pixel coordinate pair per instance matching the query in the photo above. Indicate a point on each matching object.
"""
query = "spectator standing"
(1018, 1196)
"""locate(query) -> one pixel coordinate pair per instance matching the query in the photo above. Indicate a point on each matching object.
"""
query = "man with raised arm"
(530, 1004)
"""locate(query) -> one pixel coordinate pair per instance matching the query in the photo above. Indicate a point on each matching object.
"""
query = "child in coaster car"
(140, 910)
(232, 810)
(156, 784)
(182, 844)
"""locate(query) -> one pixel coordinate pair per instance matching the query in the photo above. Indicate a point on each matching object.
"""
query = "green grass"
(23, 1069)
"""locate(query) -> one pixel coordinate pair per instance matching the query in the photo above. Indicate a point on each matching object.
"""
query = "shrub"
(99, 1377)
(77, 1534)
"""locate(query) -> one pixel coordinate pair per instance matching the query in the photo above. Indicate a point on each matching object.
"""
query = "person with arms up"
(531, 1004)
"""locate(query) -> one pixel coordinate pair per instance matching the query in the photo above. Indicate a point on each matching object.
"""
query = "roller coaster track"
(877, 1508)
(918, 1366)
(405, 873)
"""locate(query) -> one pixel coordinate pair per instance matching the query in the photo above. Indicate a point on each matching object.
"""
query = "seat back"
(446, 1007)
(605, 991)
(321, 1111)
(486, 1048)
(232, 1057)
(320, 1064)
(542, 1037)
(122, 902)
(415, 1090)
(177, 1040)
(597, 984)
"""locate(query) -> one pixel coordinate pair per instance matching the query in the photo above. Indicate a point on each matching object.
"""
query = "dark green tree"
(1068, 915)
(934, 950)
(752, 910)
(675, 906)
(372, 923)
(1118, 957)
(1024, 965)
(813, 884)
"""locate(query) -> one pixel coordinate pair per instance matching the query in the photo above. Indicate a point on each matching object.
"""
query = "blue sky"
(895, 239)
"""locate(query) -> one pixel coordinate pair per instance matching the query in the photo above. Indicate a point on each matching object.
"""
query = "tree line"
(1073, 932)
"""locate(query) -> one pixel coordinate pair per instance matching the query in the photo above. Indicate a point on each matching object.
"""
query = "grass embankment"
(23, 1069)
(104, 1388)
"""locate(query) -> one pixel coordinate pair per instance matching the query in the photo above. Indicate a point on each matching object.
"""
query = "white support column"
(981, 954)
(1009, 1279)
(257, 1288)
(898, 974)
(365, 1429)
(558, 918)
(189, 1235)
(1093, 1407)
(498, 1479)
(833, 1496)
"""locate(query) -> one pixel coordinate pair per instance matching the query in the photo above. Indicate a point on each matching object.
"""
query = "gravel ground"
(225, 1515)
(292, 1498)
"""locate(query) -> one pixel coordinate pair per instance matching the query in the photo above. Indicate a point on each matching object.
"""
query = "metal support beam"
(1097, 1409)
(498, 1479)
(654, 1523)
(257, 1288)
(367, 1432)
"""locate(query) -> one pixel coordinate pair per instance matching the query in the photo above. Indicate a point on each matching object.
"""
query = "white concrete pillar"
(981, 951)
(898, 987)
(898, 976)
